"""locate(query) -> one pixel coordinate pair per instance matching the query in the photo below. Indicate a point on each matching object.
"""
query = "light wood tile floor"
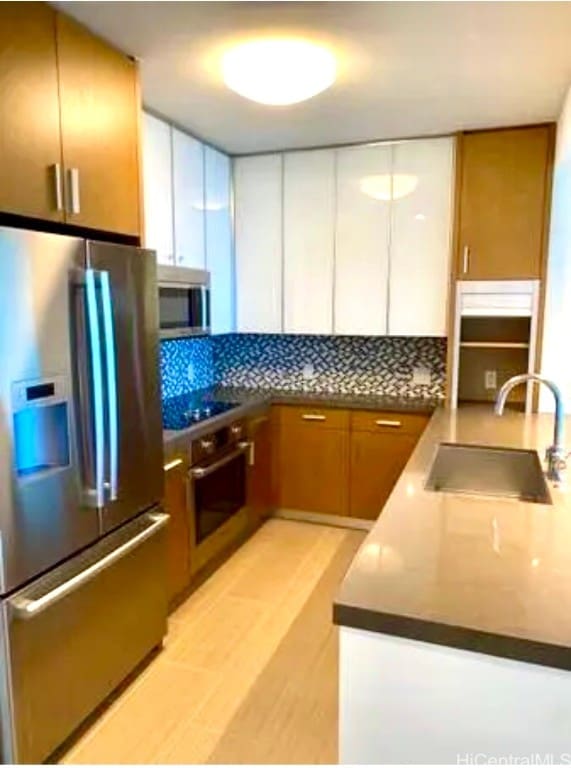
(248, 673)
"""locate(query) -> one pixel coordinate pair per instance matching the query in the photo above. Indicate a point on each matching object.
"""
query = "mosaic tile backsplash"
(343, 364)
(186, 364)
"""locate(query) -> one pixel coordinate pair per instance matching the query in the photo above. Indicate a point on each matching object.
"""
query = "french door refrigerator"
(82, 574)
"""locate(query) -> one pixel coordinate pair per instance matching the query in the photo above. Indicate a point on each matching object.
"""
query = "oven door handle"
(199, 472)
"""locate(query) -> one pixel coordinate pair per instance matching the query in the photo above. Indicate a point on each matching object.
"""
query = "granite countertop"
(250, 400)
(485, 574)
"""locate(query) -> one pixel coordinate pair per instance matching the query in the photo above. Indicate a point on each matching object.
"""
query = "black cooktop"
(183, 411)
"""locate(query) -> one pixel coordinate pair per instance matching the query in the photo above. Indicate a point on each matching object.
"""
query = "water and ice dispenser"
(40, 412)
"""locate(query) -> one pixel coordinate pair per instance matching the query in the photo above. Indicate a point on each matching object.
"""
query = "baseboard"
(340, 521)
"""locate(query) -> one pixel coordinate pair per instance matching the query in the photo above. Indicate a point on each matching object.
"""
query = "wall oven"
(218, 477)
(184, 301)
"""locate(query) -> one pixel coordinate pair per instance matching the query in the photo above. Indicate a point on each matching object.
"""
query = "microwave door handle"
(97, 385)
(112, 396)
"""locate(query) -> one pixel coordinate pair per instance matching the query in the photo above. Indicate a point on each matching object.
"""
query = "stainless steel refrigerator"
(82, 560)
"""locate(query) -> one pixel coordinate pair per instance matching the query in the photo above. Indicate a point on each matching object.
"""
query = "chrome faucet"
(555, 454)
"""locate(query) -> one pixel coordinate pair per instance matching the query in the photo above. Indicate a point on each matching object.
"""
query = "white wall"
(556, 361)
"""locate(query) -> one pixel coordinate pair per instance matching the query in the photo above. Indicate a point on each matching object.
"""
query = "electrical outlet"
(190, 372)
(421, 376)
(308, 371)
(490, 380)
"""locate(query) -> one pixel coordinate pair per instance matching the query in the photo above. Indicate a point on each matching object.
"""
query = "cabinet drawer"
(388, 421)
(320, 418)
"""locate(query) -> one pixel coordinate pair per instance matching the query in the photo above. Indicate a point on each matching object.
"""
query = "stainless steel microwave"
(184, 301)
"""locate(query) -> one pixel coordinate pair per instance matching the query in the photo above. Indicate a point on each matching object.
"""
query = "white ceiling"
(407, 68)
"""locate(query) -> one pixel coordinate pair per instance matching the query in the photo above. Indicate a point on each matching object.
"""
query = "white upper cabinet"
(362, 240)
(188, 183)
(421, 222)
(157, 179)
(309, 227)
(218, 222)
(258, 243)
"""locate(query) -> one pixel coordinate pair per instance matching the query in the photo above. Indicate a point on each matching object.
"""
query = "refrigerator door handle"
(27, 609)
(112, 397)
(97, 380)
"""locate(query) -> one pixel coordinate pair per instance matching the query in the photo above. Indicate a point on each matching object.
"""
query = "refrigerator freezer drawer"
(74, 634)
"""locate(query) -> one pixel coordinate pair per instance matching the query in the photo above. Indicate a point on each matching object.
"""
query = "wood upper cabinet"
(30, 144)
(99, 125)
(381, 445)
(312, 461)
(178, 532)
(504, 182)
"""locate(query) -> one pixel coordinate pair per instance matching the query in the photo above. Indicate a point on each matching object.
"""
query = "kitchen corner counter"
(491, 575)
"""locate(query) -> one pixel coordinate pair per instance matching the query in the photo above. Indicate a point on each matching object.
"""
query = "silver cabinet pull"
(75, 203)
(249, 446)
(27, 609)
(172, 464)
(56, 168)
(313, 417)
(199, 472)
(388, 423)
(465, 259)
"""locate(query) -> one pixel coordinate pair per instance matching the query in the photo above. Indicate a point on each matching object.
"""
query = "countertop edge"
(461, 638)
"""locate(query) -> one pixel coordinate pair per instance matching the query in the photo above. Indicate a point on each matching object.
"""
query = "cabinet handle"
(56, 167)
(465, 259)
(75, 203)
(388, 423)
(313, 417)
(172, 464)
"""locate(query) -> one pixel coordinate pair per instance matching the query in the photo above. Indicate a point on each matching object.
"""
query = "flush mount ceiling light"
(386, 186)
(278, 70)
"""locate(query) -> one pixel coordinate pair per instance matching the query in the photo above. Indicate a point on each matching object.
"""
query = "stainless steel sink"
(488, 471)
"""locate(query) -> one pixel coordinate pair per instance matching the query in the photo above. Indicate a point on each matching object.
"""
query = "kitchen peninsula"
(454, 636)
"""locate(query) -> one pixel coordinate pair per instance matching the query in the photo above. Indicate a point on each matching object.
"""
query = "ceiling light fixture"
(278, 70)
(386, 186)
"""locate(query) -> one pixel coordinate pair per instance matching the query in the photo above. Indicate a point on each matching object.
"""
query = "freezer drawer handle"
(200, 472)
(27, 609)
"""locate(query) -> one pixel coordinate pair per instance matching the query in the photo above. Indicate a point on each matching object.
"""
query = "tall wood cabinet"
(68, 123)
(30, 142)
(99, 122)
(503, 189)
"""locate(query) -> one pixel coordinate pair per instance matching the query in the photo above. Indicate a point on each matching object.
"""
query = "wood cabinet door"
(505, 178)
(189, 200)
(218, 223)
(178, 532)
(157, 188)
(313, 468)
(421, 237)
(377, 460)
(30, 141)
(309, 233)
(259, 498)
(99, 122)
(258, 233)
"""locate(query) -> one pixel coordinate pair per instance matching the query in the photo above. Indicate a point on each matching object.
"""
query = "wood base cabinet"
(312, 465)
(178, 533)
(381, 445)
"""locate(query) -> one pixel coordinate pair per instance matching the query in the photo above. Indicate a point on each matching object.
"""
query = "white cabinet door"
(188, 178)
(309, 225)
(219, 262)
(362, 240)
(258, 243)
(157, 189)
(421, 220)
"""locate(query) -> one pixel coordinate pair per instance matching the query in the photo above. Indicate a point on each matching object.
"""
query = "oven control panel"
(208, 446)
